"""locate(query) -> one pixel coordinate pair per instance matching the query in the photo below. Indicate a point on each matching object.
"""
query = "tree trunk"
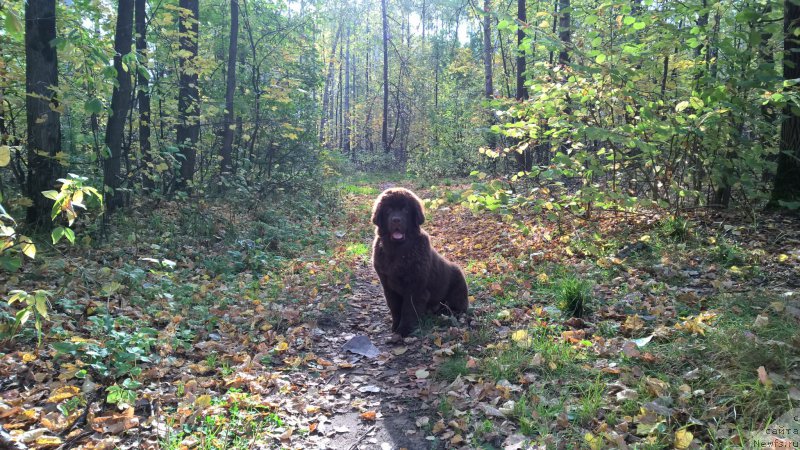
(230, 90)
(385, 124)
(522, 93)
(346, 109)
(487, 50)
(326, 96)
(564, 32)
(120, 105)
(143, 94)
(787, 178)
(188, 129)
(43, 120)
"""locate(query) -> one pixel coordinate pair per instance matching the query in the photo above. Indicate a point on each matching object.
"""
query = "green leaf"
(23, 315)
(639, 26)
(143, 72)
(591, 20)
(57, 234)
(70, 235)
(52, 195)
(93, 106)
(596, 42)
(600, 59)
(13, 25)
(64, 347)
(41, 306)
(629, 20)
(681, 106)
(10, 263)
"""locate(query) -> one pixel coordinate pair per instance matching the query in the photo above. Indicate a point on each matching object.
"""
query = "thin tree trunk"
(522, 93)
(488, 52)
(506, 75)
(326, 96)
(230, 90)
(188, 129)
(120, 104)
(41, 104)
(385, 124)
(346, 109)
(143, 94)
(564, 31)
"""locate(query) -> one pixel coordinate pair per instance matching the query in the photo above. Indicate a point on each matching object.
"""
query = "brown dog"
(416, 280)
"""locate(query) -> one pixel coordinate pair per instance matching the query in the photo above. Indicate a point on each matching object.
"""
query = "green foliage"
(677, 228)
(117, 350)
(123, 395)
(13, 246)
(573, 296)
(72, 194)
(34, 306)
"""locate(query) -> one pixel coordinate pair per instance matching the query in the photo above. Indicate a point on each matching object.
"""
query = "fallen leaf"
(683, 439)
(422, 374)
(369, 416)
(63, 393)
(595, 442)
(656, 387)
(763, 377)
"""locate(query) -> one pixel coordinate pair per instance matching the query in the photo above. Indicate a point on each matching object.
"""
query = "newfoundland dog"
(416, 280)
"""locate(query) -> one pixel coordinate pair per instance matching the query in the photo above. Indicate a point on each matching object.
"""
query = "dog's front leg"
(414, 307)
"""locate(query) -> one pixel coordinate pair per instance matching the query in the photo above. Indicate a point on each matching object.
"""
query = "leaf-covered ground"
(218, 326)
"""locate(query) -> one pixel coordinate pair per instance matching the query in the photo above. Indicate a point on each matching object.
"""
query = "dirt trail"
(385, 384)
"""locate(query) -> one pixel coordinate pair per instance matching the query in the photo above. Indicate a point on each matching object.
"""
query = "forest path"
(384, 384)
(379, 400)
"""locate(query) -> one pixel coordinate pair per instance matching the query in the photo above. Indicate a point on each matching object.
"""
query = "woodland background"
(185, 189)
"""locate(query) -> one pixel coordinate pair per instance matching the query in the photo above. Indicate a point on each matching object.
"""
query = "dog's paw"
(395, 339)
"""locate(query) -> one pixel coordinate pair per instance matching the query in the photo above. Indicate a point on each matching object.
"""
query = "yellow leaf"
(28, 357)
(369, 415)
(683, 439)
(595, 442)
(48, 441)
(282, 347)
(27, 246)
(519, 335)
(5, 155)
(781, 258)
(542, 278)
(202, 401)
(63, 393)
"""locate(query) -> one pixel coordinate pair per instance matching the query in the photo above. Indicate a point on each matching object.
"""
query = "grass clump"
(573, 296)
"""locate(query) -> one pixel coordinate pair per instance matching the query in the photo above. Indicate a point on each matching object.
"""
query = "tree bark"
(787, 178)
(120, 105)
(488, 52)
(230, 90)
(188, 129)
(522, 93)
(385, 124)
(41, 104)
(564, 31)
(143, 94)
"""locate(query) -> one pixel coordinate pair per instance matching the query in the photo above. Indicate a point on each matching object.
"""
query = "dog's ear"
(377, 210)
(416, 205)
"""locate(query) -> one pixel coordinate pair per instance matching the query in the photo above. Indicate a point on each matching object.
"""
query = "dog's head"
(398, 214)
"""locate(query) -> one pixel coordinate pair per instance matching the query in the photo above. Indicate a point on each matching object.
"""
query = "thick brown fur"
(416, 279)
